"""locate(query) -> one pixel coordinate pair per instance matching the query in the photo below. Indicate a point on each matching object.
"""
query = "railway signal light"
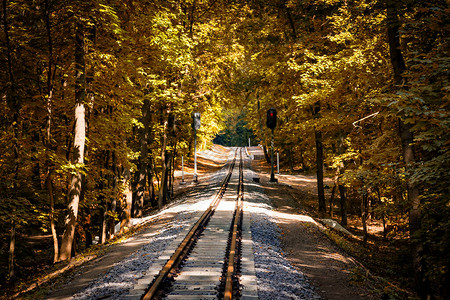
(196, 121)
(271, 121)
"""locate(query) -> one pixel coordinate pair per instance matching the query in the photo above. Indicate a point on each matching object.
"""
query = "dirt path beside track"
(332, 271)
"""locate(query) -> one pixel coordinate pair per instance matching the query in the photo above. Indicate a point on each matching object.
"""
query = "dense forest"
(236, 132)
(97, 97)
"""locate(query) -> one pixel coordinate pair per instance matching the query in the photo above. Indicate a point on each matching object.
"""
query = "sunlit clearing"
(300, 178)
(266, 209)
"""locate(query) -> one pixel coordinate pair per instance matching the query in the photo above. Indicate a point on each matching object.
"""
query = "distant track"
(205, 264)
(231, 281)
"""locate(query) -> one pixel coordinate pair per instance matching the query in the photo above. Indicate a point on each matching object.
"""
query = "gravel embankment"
(117, 282)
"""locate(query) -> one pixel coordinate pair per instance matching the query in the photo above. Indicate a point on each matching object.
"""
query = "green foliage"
(335, 53)
(235, 134)
(135, 51)
(230, 61)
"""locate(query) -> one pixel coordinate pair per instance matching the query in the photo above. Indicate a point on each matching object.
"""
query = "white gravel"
(117, 282)
(121, 277)
(276, 278)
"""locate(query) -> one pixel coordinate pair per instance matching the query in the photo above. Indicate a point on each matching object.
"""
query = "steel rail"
(228, 292)
(176, 258)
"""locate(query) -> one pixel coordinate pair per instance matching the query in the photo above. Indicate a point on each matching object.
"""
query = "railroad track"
(206, 264)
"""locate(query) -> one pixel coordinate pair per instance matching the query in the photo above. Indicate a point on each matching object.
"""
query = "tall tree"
(78, 143)
(143, 159)
(51, 69)
(407, 139)
(15, 107)
(319, 161)
(165, 158)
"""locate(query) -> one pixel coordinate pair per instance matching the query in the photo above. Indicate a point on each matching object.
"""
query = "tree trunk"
(158, 181)
(78, 143)
(134, 184)
(104, 185)
(364, 208)
(319, 166)
(333, 192)
(172, 175)
(319, 162)
(52, 220)
(163, 185)
(169, 177)
(138, 202)
(406, 136)
(112, 227)
(291, 21)
(151, 186)
(49, 102)
(128, 197)
(88, 239)
(343, 204)
(143, 160)
(75, 244)
(171, 159)
(191, 18)
(165, 179)
(14, 104)
(104, 217)
(395, 52)
(342, 189)
(114, 197)
(383, 214)
(302, 161)
(172, 170)
(48, 143)
(12, 247)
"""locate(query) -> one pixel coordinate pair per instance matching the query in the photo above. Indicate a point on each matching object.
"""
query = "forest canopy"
(96, 100)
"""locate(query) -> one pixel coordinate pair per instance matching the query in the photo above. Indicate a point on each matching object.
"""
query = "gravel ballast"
(122, 276)
(276, 277)
(117, 282)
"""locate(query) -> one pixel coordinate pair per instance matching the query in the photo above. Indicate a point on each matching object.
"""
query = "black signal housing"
(271, 121)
